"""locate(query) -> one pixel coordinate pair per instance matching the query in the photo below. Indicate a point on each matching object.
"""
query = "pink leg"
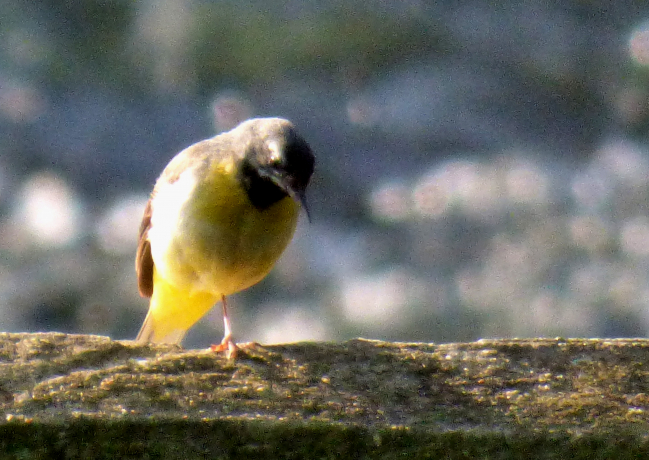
(227, 344)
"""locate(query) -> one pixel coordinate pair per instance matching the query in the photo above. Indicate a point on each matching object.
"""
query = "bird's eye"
(274, 152)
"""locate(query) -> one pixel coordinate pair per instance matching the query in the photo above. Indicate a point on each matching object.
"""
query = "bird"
(219, 216)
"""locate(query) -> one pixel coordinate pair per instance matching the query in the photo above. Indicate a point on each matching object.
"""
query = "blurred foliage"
(94, 42)
(87, 42)
(251, 46)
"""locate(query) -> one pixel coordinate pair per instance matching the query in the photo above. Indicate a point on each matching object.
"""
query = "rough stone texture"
(74, 396)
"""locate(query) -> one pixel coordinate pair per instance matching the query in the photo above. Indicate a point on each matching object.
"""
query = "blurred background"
(481, 171)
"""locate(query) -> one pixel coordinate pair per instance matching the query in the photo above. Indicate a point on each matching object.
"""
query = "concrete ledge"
(90, 397)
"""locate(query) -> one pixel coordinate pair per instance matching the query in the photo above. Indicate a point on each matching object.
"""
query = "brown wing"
(193, 156)
(143, 258)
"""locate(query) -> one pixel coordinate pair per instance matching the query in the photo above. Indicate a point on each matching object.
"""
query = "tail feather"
(172, 311)
(148, 333)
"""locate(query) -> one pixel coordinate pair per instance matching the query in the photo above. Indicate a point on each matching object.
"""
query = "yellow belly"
(209, 243)
(221, 243)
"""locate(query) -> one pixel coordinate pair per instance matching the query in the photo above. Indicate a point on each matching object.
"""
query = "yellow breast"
(206, 236)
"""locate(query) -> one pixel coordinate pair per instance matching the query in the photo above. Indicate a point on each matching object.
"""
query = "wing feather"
(143, 258)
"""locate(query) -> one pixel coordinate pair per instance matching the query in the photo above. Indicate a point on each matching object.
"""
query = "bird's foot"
(231, 348)
(227, 345)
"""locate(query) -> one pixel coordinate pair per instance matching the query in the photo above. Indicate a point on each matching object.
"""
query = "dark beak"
(301, 198)
(285, 183)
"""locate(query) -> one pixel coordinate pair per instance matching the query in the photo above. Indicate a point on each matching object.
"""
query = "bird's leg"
(228, 344)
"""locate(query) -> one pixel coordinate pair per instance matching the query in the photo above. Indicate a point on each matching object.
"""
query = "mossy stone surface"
(90, 397)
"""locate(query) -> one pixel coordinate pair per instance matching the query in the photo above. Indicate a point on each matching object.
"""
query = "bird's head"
(278, 162)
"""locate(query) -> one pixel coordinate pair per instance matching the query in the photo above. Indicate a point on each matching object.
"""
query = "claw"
(228, 346)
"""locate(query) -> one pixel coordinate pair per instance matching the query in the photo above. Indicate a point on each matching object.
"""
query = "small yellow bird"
(219, 217)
